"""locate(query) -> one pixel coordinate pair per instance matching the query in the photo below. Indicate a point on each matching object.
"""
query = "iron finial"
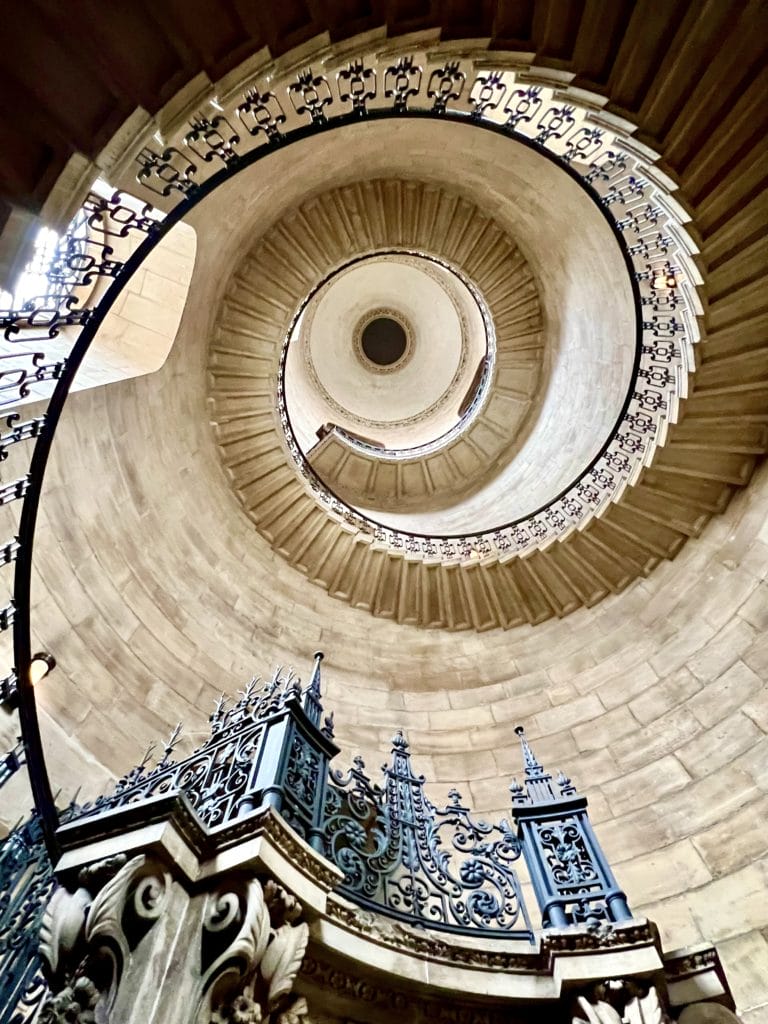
(529, 758)
(312, 694)
(399, 742)
(314, 682)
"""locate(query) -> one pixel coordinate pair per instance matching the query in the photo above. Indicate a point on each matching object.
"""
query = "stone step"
(722, 430)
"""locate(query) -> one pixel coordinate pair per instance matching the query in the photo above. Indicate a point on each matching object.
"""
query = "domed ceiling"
(543, 305)
(155, 591)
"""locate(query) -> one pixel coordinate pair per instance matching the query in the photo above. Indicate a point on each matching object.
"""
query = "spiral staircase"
(625, 54)
(687, 82)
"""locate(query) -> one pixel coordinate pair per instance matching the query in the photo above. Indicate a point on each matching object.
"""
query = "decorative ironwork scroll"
(571, 877)
(438, 868)
(26, 883)
(266, 747)
(389, 841)
(58, 325)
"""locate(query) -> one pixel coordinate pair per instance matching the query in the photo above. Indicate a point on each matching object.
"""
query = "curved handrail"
(436, 444)
(263, 117)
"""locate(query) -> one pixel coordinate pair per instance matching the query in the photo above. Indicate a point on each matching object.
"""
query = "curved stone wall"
(155, 592)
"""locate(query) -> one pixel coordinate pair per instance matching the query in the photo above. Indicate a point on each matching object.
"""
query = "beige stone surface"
(745, 959)
(155, 592)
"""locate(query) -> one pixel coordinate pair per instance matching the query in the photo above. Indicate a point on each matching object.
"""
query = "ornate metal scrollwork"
(571, 877)
(311, 94)
(357, 84)
(523, 105)
(633, 198)
(221, 778)
(261, 114)
(18, 432)
(388, 841)
(166, 172)
(402, 80)
(213, 139)
(487, 92)
(445, 85)
(26, 882)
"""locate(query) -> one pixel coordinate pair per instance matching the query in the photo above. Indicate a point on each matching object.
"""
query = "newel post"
(572, 880)
(292, 757)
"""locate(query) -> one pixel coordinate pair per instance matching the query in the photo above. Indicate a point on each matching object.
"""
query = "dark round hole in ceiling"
(383, 341)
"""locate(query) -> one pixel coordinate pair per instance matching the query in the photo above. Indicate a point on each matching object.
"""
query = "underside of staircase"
(692, 76)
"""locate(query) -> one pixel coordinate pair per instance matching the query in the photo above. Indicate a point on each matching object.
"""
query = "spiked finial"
(529, 758)
(170, 744)
(312, 705)
(538, 781)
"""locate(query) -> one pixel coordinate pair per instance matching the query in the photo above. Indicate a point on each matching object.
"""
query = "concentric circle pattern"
(450, 414)
(156, 590)
(444, 340)
(383, 339)
(575, 429)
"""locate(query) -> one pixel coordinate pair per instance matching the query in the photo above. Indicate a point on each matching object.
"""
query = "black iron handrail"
(172, 171)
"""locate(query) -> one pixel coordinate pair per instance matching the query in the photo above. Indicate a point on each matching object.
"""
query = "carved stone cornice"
(434, 946)
(357, 957)
(343, 991)
(170, 823)
(688, 963)
(614, 937)
(696, 974)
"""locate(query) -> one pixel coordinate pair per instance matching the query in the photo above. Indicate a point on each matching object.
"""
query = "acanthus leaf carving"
(296, 1013)
(86, 936)
(247, 948)
(621, 1002)
(74, 1004)
(62, 923)
(646, 1010)
(282, 960)
(253, 947)
(597, 1013)
(104, 922)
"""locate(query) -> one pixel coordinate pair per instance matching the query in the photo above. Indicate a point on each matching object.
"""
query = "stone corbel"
(621, 1002)
(87, 936)
(252, 948)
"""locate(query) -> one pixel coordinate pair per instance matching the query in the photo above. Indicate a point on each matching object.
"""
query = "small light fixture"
(40, 665)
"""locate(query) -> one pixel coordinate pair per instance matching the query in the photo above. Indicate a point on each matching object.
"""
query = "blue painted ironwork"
(400, 855)
(11, 763)
(266, 748)
(389, 841)
(572, 879)
(26, 883)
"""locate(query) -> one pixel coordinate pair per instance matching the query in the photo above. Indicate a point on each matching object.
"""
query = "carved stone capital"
(87, 936)
(252, 948)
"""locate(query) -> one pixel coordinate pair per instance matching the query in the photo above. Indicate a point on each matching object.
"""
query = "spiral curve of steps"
(672, 500)
(722, 431)
(253, 321)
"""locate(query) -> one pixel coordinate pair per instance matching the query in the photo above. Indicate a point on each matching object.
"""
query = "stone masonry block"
(646, 786)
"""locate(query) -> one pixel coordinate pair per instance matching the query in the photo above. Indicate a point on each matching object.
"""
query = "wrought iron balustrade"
(26, 883)
(400, 854)
(437, 868)
(57, 330)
